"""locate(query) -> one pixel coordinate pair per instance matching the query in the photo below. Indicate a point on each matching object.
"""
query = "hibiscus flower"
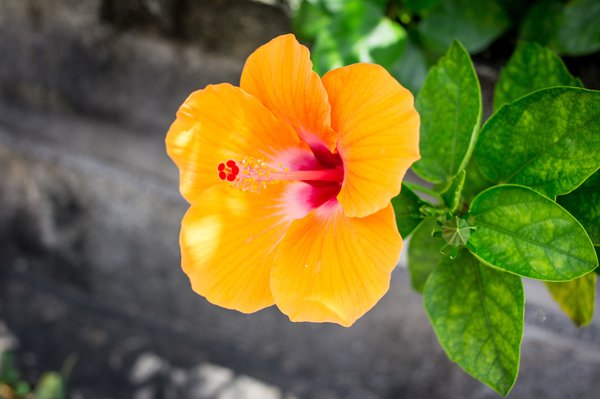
(289, 179)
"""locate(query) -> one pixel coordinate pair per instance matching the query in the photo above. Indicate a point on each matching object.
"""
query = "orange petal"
(228, 238)
(378, 130)
(280, 75)
(331, 268)
(219, 123)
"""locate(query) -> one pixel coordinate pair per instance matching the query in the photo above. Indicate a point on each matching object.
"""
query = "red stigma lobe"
(228, 170)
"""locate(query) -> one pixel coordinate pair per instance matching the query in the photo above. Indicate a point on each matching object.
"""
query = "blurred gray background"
(89, 224)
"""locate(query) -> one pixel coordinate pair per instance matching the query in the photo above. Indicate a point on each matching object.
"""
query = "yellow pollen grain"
(254, 176)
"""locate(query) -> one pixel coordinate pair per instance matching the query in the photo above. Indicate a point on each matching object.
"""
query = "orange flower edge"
(290, 179)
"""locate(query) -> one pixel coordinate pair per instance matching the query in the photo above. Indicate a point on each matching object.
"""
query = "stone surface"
(8, 341)
(208, 381)
(145, 367)
(249, 388)
(89, 223)
(65, 56)
(154, 377)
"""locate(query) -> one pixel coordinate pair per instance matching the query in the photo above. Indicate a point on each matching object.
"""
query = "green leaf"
(423, 253)
(515, 9)
(584, 204)
(576, 298)
(474, 23)
(383, 45)
(411, 68)
(22, 388)
(450, 107)
(541, 22)
(452, 194)
(531, 67)
(477, 315)
(419, 6)
(571, 28)
(359, 33)
(310, 18)
(50, 386)
(475, 182)
(548, 140)
(521, 231)
(579, 32)
(407, 207)
(8, 372)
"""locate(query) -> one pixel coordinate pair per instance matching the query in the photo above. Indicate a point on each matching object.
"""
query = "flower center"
(254, 174)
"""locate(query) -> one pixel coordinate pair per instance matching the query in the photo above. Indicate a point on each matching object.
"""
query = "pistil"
(254, 175)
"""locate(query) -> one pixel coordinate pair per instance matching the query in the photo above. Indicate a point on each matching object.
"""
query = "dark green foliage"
(407, 207)
(584, 204)
(474, 23)
(570, 28)
(424, 253)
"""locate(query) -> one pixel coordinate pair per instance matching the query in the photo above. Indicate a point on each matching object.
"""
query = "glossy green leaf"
(584, 204)
(531, 67)
(477, 315)
(474, 23)
(452, 194)
(576, 298)
(526, 233)
(548, 140)
(407, 207)
(450, 107)
(359, 33)
(423, 253)
(579, 31)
